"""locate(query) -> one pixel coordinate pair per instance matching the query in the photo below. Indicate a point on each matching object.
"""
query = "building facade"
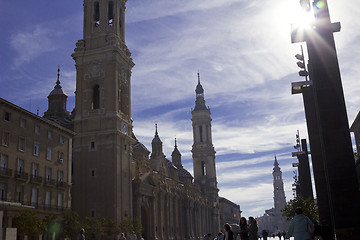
(115, 176)
(229, 213)
(273, 221)
(35, 171)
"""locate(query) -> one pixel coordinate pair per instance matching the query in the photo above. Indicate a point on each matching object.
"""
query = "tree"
(99, 227)
(307, 205)
(29, 224)
(70, 224)
(129, 225)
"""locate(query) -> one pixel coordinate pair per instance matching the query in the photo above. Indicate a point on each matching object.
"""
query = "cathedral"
(115, 176)
(111, 174)
(273, 221)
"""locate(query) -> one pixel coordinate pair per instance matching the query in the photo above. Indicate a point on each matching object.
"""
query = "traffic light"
(301, 64)
(305, 4)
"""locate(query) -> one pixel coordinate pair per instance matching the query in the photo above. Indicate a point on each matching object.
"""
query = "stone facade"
(229, 213)
(35, 170)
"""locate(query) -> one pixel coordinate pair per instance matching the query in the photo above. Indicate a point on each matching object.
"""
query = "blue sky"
(246, 62)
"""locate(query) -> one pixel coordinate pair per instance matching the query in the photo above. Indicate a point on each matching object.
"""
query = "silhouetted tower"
(176, 157)
(279, 194)
(203, 153)
(102, 146)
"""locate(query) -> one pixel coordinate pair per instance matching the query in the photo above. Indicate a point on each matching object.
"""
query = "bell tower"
(102, 184)
(203, 154)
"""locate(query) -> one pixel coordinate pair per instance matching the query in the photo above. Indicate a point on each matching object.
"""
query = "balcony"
(50, 182)
(61, 184)
(21, 176)
(35, 179)
(5, 172)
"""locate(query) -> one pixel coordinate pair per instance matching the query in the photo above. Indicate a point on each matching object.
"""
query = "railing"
(21, 176)
(50, 182)
(5, 172)
(61, 184)
(36, 179)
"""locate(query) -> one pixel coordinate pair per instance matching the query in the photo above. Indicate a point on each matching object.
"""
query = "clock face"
(124, 127)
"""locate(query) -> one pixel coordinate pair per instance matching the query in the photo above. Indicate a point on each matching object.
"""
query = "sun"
(290, 13)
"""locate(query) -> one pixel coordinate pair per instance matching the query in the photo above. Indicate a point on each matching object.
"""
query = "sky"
(245, 58)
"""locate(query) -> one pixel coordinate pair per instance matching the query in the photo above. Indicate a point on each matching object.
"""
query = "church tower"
(279, 194)
(203, 153)
(57, 103)
(102, 184)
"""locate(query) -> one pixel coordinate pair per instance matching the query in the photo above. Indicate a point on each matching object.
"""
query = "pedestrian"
(253, 229)
(82, 234)
(279, 235)
(132, 236)
(244, 229)
(229, 235)
(122, 236)
(220, 236)
(264, 234)
(207, 236)
(301, 227)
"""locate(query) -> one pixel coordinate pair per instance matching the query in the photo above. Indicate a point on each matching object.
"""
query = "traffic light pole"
(336, 166)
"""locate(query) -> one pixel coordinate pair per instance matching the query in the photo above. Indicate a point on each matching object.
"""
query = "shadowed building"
(35, 170)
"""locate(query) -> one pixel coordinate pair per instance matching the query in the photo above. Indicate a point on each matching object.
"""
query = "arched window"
(110, 13)
(96, 14)
(200, 133)
(96, 97)
(120, 20)
(203, 168)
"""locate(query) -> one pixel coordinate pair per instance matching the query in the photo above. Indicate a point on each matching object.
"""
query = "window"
(48, 153)
(34, 197)
(96, 97)
(23, 123)
(7, 116)
(37, 129)
(35, 169)
(92, 213)
(60, 176)
(21, 144)
(92, 145)
(110, 13)
(48, 173)
(36, 148)
(4, 161)
(93, 172)
(2, 191)
(61, 157)
(5, 139)
(62, 139)
(20, 165)
(47, 199)
(50, 135)
(19, 194)
(200, 132)
(96, 14)
(60, 201)
(203, 169)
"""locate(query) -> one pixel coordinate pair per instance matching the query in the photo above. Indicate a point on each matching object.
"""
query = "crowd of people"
(301, 228)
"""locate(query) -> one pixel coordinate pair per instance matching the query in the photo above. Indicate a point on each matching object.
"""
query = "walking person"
(301, 227)
(207, 236)
(229, 235)
(244, 229)
(82, 234)
(264, 234)
(220, 236)
(253, 229)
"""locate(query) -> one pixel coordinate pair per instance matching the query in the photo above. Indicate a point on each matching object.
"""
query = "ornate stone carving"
(94, 70)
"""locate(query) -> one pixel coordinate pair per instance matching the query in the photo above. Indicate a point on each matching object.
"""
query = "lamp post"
(330, 142)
